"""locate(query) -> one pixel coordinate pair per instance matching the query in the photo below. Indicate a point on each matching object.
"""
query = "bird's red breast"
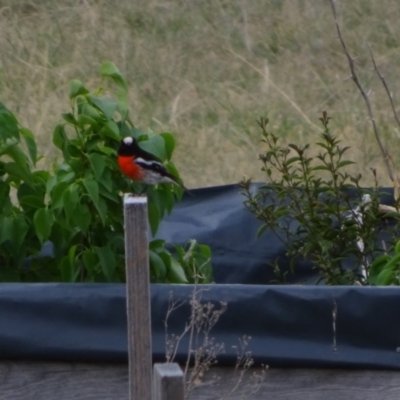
(130, 168)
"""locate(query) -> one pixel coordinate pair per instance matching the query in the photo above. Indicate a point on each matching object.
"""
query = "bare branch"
(384, 83)
(354, 77)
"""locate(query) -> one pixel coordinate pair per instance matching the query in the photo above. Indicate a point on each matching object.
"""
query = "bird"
(142, 166)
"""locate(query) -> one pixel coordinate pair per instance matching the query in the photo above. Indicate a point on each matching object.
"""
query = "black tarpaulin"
(288, 325)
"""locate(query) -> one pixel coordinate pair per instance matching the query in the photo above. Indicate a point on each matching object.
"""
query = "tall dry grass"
(207, 70)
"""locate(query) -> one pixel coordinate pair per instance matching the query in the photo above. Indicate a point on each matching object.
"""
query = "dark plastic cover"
(217, 217)
(289, 325)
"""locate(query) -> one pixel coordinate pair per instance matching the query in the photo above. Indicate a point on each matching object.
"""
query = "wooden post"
(138, 297)
(168, 382)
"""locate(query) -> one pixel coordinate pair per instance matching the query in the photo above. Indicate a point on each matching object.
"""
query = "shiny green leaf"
(70, 201)
(76, 88)
(155, 145)
(30, 144)
(107, 261)
(43, 221)
(98, 163)
(108, 106)
(109, 70)
(169, 143)
(59, 136)
(157, 267)
(176, 273)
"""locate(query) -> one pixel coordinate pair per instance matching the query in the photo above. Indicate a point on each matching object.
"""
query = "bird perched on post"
(141, 166)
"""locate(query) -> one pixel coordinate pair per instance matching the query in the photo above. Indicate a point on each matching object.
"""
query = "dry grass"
(207, 70)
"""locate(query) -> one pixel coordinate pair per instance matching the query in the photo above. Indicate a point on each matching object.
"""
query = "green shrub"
(316, 208)
(77, 205)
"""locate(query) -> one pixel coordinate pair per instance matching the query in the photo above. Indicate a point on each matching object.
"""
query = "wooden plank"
(70, 381)
(63, 381)
(168, 383)
(138, 297)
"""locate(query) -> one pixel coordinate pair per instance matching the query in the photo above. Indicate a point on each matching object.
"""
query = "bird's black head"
(128, 147)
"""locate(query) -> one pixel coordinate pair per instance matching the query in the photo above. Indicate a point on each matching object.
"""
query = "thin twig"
(384, 83)
(396, 117)
(354, 77)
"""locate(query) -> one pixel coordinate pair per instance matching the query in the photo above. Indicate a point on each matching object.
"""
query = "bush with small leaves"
(316, 208)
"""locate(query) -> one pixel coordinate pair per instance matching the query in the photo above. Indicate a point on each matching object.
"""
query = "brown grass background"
(207, 70)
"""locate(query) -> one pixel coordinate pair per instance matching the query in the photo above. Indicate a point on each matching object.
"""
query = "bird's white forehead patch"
(128, 140)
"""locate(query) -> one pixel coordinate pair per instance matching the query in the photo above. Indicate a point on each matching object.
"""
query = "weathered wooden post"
(168, 382)
(168, 378)
(138, 297)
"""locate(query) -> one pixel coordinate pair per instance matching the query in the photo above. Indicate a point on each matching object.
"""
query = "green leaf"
(43, 222)
(71, 254)
(344, 163)
(40, 178)
(98, 163)
(7, 144)
(51, 183)
(109, 70)
(107, 261)
(85, 120)
(8, 124)
(92, 190)
(385, 277)
(68, 266)
(154, 216)
(166, 199)
(18, 156)
(176, 273)
(261, 230)
(122, 96)
(156, 244)
(111, 129)
(70, 201)
(157, 266)
(76, 88)
(59, 136)
(155, 145)
(82, 217)
(169, 145)
(90, 111)
(77, 165)
(16, 172)
(18, 231)
(205, 250)
(109, 195)
(90, 260)
(69, 117)
(30, 144)
(108, 106)
(4, 196)
(65, 176)
(31, 201)
(6, 228)
(106, 180)
(57, 193)
(107, 150)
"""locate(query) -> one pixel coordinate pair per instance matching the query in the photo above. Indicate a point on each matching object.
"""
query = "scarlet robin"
(141, 166)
